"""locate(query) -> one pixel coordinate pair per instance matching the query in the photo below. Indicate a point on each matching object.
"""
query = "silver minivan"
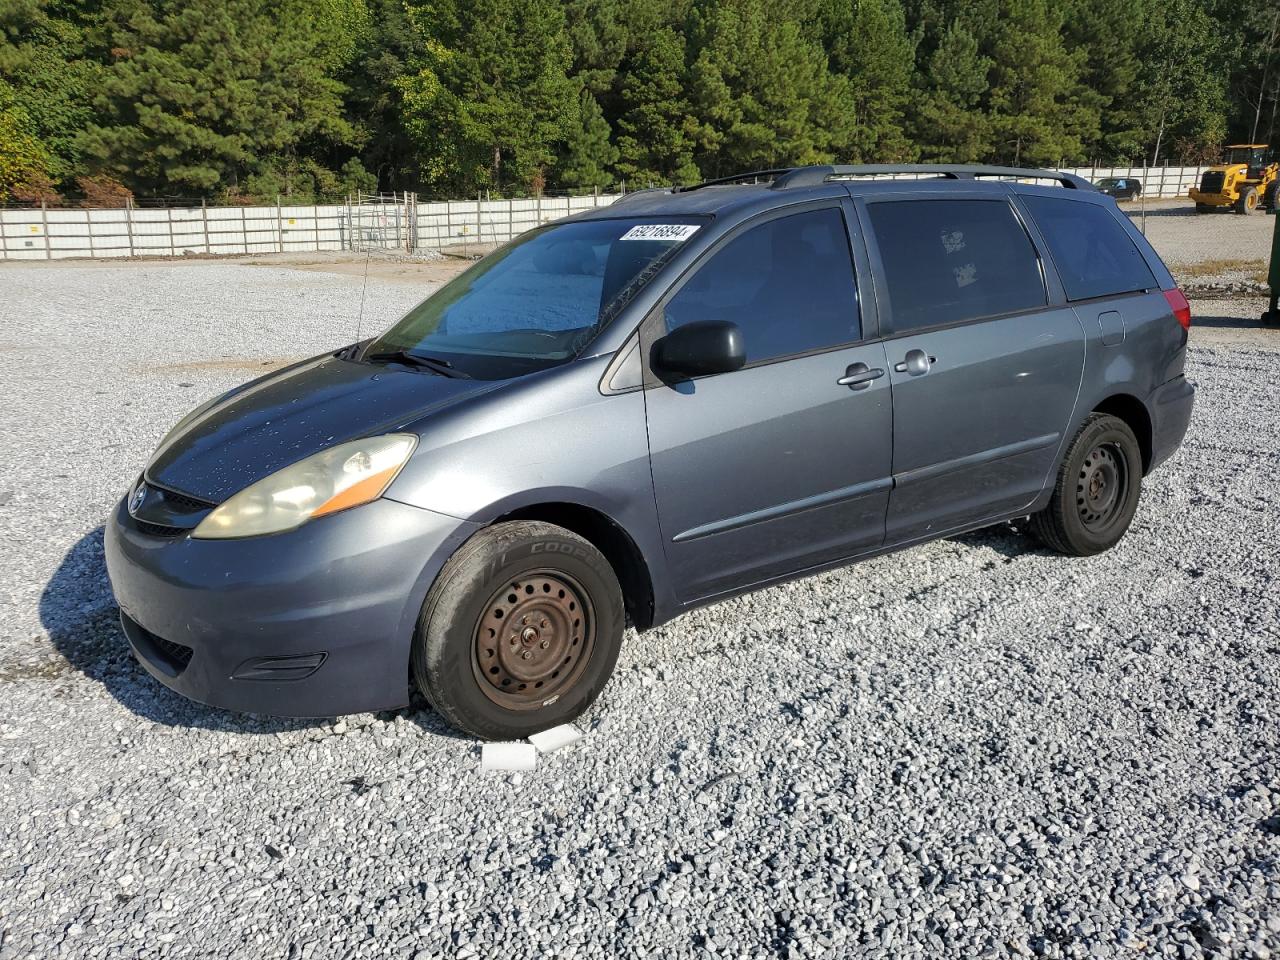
(689, 394)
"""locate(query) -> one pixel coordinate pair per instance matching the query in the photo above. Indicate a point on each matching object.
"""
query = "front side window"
(1093, 254)
(947, 261)
(538, 301)
(788, 284)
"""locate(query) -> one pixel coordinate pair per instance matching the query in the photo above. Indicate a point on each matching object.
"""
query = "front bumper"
(1170, 407)
(316, 622)
(1211, 199)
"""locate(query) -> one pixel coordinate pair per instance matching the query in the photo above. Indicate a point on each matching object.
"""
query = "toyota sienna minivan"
(651, 406)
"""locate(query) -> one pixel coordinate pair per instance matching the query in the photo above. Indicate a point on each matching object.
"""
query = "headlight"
(343, 476)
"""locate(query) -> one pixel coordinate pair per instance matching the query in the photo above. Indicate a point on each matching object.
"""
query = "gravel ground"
(970, 749)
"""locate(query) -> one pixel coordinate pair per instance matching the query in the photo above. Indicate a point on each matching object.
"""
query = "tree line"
(251, 99)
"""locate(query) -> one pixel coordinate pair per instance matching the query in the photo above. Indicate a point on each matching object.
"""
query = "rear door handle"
(916, 363)
(859, 376)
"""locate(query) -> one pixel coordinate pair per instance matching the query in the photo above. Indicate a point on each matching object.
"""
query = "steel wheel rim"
(533, 639)
(1102, 486)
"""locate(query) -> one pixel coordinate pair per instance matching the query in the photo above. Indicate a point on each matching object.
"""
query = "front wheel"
(1247, 201)
(520, 632)
(1096, 493)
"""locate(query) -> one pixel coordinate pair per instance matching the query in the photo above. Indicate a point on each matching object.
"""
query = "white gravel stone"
(830, 768)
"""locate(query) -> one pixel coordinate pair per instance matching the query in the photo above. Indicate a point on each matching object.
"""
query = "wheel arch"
(1134, 413)
(611, 539)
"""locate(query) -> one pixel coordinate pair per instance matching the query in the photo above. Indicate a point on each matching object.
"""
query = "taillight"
(1178, 304)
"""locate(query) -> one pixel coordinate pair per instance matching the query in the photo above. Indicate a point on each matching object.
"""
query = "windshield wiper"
(435, 364)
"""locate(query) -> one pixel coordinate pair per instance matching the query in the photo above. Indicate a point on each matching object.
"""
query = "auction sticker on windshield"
(661, 231)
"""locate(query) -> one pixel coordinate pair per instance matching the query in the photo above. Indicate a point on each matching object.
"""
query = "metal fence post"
(4, 237)
(479, 220)
(204, 223)
(279, 227)
(88, 230)
(44, 221)
(244, 230)
(128, 221)
(168, 211)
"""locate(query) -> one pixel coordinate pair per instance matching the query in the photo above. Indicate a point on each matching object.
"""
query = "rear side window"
(1093, 254)
(787, 283)
(952, 260)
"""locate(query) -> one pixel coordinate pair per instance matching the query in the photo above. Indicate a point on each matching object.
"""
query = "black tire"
(1271, 195)
(1247, 202)
(568, 606)
(1097, 489)
(1204, 208)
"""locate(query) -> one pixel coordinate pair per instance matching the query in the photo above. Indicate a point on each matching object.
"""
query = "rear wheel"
(1097, 489)
(1204, 208)
(520, 631)
(1247, 202)
(1271, 194)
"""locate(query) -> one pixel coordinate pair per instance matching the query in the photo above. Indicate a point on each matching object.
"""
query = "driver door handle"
(859, 376)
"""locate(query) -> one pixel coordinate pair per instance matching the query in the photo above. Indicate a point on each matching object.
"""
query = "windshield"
(539, 300)
(1253, 157)
(1109, 182)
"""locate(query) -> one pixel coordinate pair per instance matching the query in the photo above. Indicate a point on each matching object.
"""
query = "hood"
(259, 428)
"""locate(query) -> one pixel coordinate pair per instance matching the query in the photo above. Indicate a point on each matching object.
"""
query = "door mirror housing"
(699, 349)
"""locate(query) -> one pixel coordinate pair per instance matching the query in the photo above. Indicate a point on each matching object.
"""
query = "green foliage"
(880, 58)
(762, 93)
(655, 129)
(312, 98)
(199, 96)
(491, 98)
(23, 157)
(43, 61)
(588, 154)
(1041, 110)
(949, 123)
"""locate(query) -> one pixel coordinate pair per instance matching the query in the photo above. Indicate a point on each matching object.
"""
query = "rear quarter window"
(1093, 254)
(947, 261)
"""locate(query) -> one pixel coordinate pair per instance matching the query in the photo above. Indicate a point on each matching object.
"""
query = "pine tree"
(762, 93)
(199, 96)
(492, 100)
(588, 155)
(949, 125)
(1041, 111)
(655, 142)
(879, 56)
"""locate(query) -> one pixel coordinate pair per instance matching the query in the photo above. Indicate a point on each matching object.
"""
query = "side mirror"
(698, 349)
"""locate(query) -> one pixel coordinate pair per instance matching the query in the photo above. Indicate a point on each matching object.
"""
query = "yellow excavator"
(1249, 179)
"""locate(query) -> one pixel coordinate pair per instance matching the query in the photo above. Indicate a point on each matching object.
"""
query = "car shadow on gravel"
(83, 624)
(1004, 539)
(1238, 323)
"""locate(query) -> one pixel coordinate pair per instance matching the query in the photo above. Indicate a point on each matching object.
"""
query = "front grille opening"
(181, 499)
(171, 658)
(158, 529)
(1212, 181)
(175, 653)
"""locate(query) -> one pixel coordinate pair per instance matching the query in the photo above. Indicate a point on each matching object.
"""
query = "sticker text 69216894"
(661, 231)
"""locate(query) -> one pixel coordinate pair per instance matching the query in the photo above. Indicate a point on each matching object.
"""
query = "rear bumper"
(1170, 407)
(316, 622)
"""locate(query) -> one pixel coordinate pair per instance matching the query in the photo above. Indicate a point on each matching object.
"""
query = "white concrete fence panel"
(396, 222)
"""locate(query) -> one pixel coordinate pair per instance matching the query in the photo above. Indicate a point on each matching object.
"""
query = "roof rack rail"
(752, 175)
(640, 193)
(815, 175)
